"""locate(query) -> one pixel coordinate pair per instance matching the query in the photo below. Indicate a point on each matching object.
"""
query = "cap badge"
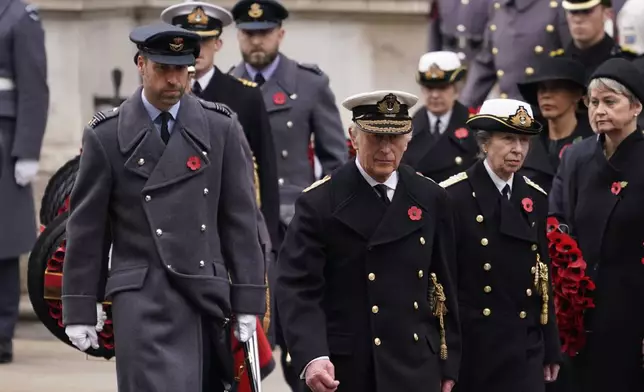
(255, 11)
(521, 118)
(177, 44)
(389, 105)
(198, 16)
(435, 72)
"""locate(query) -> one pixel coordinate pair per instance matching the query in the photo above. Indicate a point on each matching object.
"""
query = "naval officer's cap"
(166, 44)
(505, 115)
(439, 69)
(207, 20)
(259, 14)
(382, 112)
(583, 5)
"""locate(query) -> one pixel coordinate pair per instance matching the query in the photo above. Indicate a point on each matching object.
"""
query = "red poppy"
(473, 110)
(279, 98)
(617, 187)
(564, 149)
(642, 260)
(527, 204)
(194, 163)
(415, 213)
(461, 133)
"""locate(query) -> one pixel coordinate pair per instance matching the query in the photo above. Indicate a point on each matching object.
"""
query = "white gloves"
(84, 336)
(245, 326)
(25, 171)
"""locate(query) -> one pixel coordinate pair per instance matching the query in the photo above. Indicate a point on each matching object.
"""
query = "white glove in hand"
(82, 336)
(245, 327)
(101, 316)
(25, 171)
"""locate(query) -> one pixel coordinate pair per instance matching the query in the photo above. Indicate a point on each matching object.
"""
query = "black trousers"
(9, 297)
(217, 358)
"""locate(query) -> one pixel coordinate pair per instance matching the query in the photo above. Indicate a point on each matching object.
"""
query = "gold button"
(203, 228)
(538, 49)
(495, 51)
(289, 124)
(553, 4)
(500, 73)
(487, 289)
(205, 191)
(140, 162)
(159, 232)
(534, 247)
(374, 309)
(523, 315)
(473, 194)
(529, 292)
(550, 28)
(493, 27)
(284, 153)
(487, 266)
(415, 305)
(148, 198)
(377, 341)
(479, 218)
(280, 182)
(420, 273)
(422, 240)
(458, 160)
(372, 276)
(504, 96)
(533, 270)
(529, 71)
(497, 6)
(460, 28)
(484, 241)
(202, 263)
(487, 312)
(293, 96)
(416, 337)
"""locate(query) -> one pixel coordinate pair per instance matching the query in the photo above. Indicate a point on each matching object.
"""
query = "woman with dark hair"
(556, 88)
(509, 333)
(600, 296)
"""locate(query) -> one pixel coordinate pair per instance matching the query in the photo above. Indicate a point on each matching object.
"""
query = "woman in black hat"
(556, 87)
(601, 294)
(509, 333)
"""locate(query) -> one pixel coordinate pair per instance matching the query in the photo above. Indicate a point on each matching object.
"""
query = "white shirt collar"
(500, 184)
(205, 79)
(444, 121)
(391, 182)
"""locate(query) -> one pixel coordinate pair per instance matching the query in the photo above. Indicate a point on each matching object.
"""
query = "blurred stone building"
(361, 44)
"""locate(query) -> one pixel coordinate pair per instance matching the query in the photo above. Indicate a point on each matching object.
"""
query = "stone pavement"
(43, 363)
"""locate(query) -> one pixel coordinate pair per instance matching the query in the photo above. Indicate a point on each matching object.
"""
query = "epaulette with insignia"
(217, 107)
(456, 178)
(534, 185)
(424, 176)
(247, 82)
(557, 53)
(317, 183)
(311, 67)
(100, 117)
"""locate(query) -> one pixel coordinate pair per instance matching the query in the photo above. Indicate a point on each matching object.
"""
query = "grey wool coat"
(182, 222)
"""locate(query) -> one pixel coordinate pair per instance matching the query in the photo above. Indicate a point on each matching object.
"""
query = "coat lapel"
(279, 89)
(357, 204)
(189, 141)
(460, 114)
(521, 218)
(397, 222)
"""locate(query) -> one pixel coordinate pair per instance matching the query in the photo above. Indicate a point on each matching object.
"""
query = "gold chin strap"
(437, 300)
(541, 284)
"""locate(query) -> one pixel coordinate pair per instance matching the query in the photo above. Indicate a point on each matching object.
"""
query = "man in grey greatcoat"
(518, 33)
(166, 180)
(24, 102)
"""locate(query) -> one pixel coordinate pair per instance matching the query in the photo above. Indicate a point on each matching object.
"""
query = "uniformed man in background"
(590, 44)
(168, 172)
(441, 145)
(518, 32)
(458, 26)
(242, 96)
(297, 96)
(24, 102)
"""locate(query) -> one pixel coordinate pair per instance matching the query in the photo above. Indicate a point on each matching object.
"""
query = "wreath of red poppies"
(571, 286)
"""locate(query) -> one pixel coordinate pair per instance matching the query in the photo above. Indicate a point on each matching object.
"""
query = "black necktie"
(437, 127)
(506, 191)
(259, 79)
(196, 89)
(382, 192)
(165, 133)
